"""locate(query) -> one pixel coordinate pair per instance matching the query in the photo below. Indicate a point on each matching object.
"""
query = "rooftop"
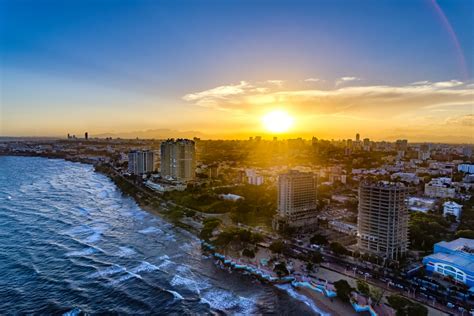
(460, 244)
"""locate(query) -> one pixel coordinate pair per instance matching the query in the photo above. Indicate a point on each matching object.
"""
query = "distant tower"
(68, 136)
(357, 137)
(86, 136)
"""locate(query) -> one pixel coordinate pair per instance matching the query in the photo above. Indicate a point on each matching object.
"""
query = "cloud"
(278, 83)
(343, 80)
(440, 84)
(222, 94)
(464, 120)
(368, 101)
(312, 80)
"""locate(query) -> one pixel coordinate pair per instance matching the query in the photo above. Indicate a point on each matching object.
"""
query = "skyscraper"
(178, 159)
(140, 162)
(383, 219)
(357, 137)
(296, 200)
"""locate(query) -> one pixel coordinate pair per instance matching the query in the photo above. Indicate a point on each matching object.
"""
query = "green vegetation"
(237, 236)
(319, 239)
(374, 293)
(338, 249)
(175, 214)
(343, 290)
(200, 200)
(248, 253)
(405, 307)
(363, 287)
(467, 216)
(257, 206)
(467, 233)
(277, 247)
(426, 230)
(209, 225)
(280, 269)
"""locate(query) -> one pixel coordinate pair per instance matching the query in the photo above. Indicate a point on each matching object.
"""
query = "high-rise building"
(401, 144)
(357, 137)
(178, 159)
(86, 135)
(296, 200)
(140, 162)
(383, 219)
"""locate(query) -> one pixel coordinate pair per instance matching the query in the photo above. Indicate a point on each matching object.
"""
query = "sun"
(277, 121)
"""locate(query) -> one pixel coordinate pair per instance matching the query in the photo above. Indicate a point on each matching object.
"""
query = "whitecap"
(144, 266)
(107, 271)
(166, 263)
(189, 283)
(150, 230)
(176, 295)
(95, 237)
(223, 300)
(307, 301)
(126, 277)
(84, 252)
(125, 252)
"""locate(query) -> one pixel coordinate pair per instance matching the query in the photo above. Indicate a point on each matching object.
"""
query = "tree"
(363, 287)
(337, 248)
(316, 257)
(376, 294)
(343, 290)
(248, 253)
(319, 239)
(280, 269)
(466, 233)
(405, 307)
(277, 246)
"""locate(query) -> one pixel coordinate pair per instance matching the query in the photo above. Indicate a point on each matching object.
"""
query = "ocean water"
(71, 243)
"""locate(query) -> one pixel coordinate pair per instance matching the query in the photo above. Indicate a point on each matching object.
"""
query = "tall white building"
(140, 162)
(178, 160)
(296, 200)
(382, 226)
(452, 208)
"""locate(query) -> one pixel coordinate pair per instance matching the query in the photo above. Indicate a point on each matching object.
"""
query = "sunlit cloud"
(464, 120)
(278, 83)
(312, 80)
(427, 104)
(343, 80)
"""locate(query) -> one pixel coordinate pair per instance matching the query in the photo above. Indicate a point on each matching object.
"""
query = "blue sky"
(112, 55)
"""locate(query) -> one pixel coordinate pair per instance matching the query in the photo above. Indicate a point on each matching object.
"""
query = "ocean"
(72, 243)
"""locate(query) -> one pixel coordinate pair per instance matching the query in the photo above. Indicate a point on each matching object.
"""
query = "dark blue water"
(70, 242)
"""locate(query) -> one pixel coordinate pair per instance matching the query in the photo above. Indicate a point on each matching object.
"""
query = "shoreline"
(323, 305)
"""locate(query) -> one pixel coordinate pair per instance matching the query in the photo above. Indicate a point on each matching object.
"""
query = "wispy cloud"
(312, 80)
(343, 80)
(463, 120)
(278, 83)
(375, 100)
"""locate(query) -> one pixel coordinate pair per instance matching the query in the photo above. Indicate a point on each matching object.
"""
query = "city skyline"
(217, 71)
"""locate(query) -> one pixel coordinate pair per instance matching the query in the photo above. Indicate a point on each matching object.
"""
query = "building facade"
(296, 200)
(140, 162)
(178, 160)
(454, 259)
(440, 188)
(383, 219)
(452, 208)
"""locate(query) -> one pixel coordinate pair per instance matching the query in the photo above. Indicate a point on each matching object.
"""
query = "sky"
(385, 69)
